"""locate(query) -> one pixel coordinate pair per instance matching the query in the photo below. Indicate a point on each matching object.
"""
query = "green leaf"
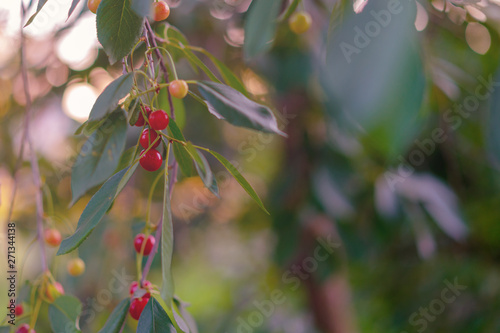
(492, 133)
(167, 246)
(181, 155)
(375, 85)
(260, 27)
(118, 28)
(203, 169)
(229, 104)
(126, 159)
(117, 318)
(186, 316)
(291, 8)
(64, 314)
(133, 111)
(176, 44)
(229, 77)
(196, 62)
(142, 7)
(99, 155)
(96, 208)
(154, 319)
(108, 100)
(239, 178)
(4, 329)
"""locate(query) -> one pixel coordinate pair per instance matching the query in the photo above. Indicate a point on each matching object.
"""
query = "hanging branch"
(26, 139)
(151, 42)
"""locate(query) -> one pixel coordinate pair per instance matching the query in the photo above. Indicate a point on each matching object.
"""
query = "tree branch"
(33, 158)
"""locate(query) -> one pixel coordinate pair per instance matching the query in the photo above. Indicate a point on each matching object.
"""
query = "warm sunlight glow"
(78, 100)
(78, 47)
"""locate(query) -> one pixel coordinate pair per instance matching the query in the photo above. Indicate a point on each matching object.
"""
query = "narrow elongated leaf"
(154, 319)
(239, 178)
(118, 28)
(492, 133)
(142, 7)
(99, 155)
(167, 247)
(290, 9)
(229, 77)
(96, 208)
(72, 8)
(109, 98)
(229, 104)
(203, 169)
(260, 27)
(64, 314)
(181, 155)
(117, 318)
(188, 318)
(39, 7)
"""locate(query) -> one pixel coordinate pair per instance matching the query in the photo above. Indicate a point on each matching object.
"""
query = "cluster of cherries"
(140, 294)
(151, 159)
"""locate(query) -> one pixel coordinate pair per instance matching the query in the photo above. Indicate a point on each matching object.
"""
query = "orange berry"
(300, 22)
(93, 4)
(178, 88)
(52, 237)
(160, 10)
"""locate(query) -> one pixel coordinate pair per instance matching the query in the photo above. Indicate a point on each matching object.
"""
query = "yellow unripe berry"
(76, 267)
(300, 22)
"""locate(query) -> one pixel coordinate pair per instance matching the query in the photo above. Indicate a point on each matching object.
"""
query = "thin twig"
(33, 158)
(162, 65)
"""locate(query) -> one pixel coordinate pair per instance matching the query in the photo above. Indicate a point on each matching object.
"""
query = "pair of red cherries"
(151, 160)
(139, 303)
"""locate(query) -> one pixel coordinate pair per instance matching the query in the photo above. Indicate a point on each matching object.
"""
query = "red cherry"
(137, 306)
(148, 137)
(158, 120)
(140, 121)
(25, 328)
(19, 310)
(151, 160)
(160, 11)
(139, 240)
